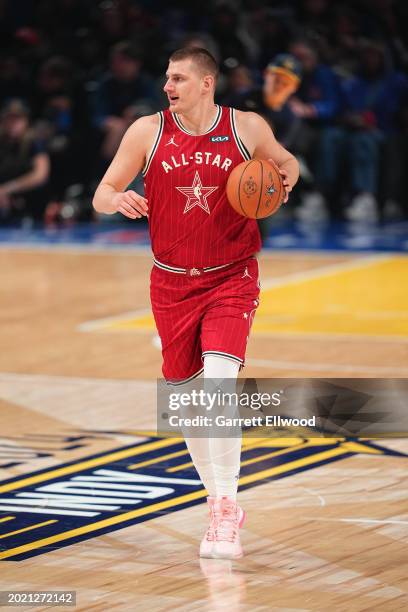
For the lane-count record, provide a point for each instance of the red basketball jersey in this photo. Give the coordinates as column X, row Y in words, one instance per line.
column 191, row 223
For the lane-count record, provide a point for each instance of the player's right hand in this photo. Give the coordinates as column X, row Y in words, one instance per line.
column 130, row 204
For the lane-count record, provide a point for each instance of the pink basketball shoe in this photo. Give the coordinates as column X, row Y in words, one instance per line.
column 209, row 537
column 229, row 517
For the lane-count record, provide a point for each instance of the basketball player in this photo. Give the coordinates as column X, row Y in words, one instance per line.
column 204, row 281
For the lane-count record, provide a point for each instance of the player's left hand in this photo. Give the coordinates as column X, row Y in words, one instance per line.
column 286, row 183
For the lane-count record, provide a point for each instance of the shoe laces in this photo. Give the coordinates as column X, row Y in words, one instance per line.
column 226, row 529
column 210, row 533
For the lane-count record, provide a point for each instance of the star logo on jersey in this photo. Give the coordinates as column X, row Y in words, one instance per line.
column 196, row 195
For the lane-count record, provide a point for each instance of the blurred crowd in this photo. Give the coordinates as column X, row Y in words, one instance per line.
column 329, row 76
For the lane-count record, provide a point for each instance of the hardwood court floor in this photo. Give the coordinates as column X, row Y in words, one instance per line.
column 78, row 364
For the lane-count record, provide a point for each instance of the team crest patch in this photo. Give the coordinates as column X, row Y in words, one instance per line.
column 219, row 138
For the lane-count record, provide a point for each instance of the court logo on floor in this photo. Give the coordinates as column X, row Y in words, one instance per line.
column 59, row 506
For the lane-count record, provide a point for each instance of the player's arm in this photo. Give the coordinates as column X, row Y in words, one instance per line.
column 260, row 141
column 129, row 160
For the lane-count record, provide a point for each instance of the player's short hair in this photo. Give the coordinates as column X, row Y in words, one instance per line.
column 200, row 56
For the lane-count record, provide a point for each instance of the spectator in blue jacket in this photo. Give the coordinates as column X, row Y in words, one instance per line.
column 318, row 97
column 316, row 103
column 371, row 102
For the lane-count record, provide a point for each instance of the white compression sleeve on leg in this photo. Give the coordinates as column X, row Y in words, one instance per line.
column 220, row 367
column 199, row 449
column 225, row 453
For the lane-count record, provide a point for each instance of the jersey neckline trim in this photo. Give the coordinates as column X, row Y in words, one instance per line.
column 216, row 121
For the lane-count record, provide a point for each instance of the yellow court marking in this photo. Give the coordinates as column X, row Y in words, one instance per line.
column 276, row 453
column 358, row 447
column 135, row 466
column 115, row 520
column 88, row 464
column 367, row 300
column 288, row 444
column 7, row 518
column 363, row 298
column 353, row 447
column 245, row 443
column 11, row 533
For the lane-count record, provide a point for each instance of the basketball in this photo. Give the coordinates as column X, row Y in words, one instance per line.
column 255, row 189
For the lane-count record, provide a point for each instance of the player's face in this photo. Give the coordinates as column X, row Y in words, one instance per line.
column 184, row 86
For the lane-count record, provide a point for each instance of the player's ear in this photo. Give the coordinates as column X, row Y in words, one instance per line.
column 208, row 82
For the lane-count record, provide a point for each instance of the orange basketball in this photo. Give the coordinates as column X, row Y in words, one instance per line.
column 255, row 189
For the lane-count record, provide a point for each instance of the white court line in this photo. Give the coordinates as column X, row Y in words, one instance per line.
column 325, row 367
column 126, row 316
column 315, row 493
column 12, row 377
column 359, row 520
column 79, row 249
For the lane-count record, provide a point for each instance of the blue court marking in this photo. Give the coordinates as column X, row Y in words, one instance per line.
column 86, row 501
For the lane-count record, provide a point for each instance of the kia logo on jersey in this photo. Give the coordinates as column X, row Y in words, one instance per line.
column 219, row 138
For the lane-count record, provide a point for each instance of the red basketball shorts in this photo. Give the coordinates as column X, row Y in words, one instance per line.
column 201, row 313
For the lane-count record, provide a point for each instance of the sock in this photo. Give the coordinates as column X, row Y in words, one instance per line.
column 225, row 453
